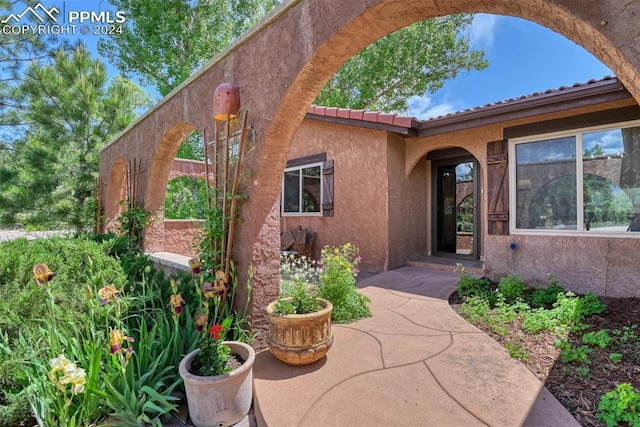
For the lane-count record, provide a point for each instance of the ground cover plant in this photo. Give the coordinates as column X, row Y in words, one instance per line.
column 585, row 349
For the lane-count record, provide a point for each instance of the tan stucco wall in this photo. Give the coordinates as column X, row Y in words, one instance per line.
column 181, row 235
column 360, row 183
column 408, row 206
column 604, row 266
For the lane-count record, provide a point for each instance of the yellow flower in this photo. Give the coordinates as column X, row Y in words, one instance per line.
column 116, row 338
column 176, row 303
column 201, row 321
column 74, row 376
column 195, row 266
column 42, row 274
column 71, row 374
column 108, row 293
column 60, row 363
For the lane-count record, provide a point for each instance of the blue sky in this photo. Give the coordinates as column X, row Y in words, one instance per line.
column 524, row 58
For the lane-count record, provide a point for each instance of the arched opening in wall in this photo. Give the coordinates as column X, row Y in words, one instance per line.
column 165, row 166
column 192, row 147
column 186, row 198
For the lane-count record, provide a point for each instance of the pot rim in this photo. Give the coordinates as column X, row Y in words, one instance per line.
column 327, row 308
column 185, row 364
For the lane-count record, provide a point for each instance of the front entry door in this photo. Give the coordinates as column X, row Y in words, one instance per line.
column 455, row 205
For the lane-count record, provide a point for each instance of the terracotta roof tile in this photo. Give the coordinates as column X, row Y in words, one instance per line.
column 370, row 116
column 331, row 112
column 525, row 98
column 386, row 118
column 344, row 113
column 356, row 114
column 404, row 121
column 409, row 121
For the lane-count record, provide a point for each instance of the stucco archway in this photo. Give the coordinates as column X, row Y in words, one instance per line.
column 282, row 64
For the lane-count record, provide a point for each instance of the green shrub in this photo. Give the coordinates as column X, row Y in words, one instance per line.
column 338, row 284
column 469, row 286
column 600, row 338
column 571, row 354
column 512, row 287
column 621, row 405
column 615, row 358
column 591, row 304
column 538, row 320
column 548, row 296
column 564, row 314
column 475, row 309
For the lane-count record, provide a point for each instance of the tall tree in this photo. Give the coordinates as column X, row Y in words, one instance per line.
column 72, row 111
column 409, row 62
column 18, row 50
column 167, row 40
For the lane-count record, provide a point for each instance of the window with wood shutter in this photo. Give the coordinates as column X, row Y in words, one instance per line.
column 307, row 187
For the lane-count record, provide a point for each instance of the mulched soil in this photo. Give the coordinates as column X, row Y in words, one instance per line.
column 579, row 387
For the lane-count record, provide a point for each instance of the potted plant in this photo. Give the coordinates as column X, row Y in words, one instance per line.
column 218, row 376
column 299, row 321
column 218, row 380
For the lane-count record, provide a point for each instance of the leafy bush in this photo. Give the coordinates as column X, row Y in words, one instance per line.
column 621, row 405
column 338, row 284
column 615, row 358
column 475, row 309
column 600, row 338
column 469, row 286
column 548, row 296
column 591, row 304
column 564, row 314
column 76, row 262
column 571, row 354
column 512, row 287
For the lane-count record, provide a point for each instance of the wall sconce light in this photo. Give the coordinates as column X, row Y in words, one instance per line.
column 226, row 101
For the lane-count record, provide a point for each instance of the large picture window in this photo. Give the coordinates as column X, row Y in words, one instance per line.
column 302, row 190
column 581, row 181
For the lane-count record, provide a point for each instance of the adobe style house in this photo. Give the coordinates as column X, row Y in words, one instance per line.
column 548, row 183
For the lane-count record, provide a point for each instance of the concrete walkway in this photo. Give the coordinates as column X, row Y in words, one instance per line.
column 414, row 363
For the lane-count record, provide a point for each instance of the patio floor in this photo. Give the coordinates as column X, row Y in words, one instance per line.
column 414, row 363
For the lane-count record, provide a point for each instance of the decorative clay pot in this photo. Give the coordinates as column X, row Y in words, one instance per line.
column 300, row 339
column 221, row 400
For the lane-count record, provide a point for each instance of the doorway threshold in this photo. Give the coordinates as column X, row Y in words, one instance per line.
column 446, row 264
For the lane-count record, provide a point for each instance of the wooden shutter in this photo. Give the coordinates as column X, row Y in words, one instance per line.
column 327, row 188
column 498, row 183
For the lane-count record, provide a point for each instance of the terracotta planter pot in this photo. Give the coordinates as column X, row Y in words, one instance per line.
column 300, row 339
column 222, row 400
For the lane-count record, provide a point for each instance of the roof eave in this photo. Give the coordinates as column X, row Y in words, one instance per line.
column 565, row 99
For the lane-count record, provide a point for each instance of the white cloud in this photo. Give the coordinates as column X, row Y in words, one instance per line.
column 422, row 107
column 483, row 30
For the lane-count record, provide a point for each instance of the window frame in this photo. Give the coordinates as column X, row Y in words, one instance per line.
column 300, row 168
column 577, row 133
